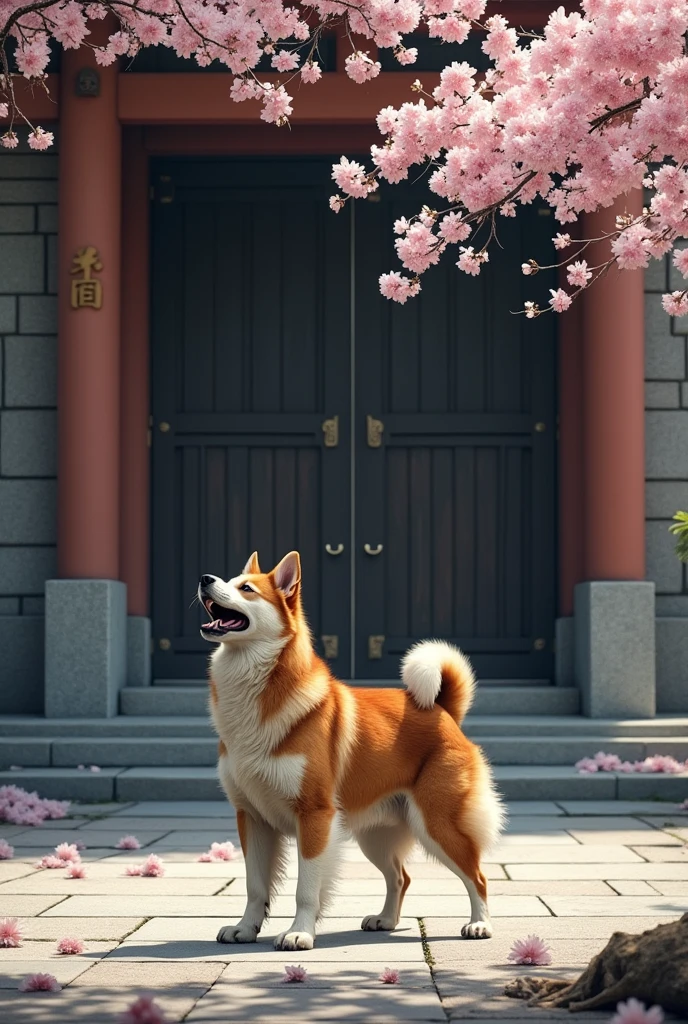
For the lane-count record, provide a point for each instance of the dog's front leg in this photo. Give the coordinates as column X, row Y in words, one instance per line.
column 263, row 850
column 314, row 839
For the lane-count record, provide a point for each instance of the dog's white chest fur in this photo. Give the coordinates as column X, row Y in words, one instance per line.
column 250, row 770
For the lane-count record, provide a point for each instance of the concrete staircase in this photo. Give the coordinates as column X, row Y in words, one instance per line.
column 161, row 747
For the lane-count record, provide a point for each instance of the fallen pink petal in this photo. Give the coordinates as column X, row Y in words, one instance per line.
column 531, row 951
column 51, row 861
column 134, row 869
column 68, row 852
column 76, row 871
column 18, row 807
column 389, row 976
column 39, row 983
column 128, row 843
column 634, row 1012
column 70, row 946
column 10, row 933
column 94, row 768
column 6, row 851
column 144, row 1010
column 295, row 974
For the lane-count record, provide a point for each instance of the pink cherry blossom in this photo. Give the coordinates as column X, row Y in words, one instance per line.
column 39, row 983
column 680, row 259
column 634, row 1012
column 40, row 139
column 337, row 203
column 128, row 843
column 285, row 60
column 51, row 862
column 143, row 1010
column 152, row 867
column 560, row 300
column 683, row 806
column 361, row 68
column 389, row 976
column 19, row 807
column 676, row 304
column 10, row 933
column 532, row 951
column 311, row 72
column 76, row 871
column 578, row 274
column 69, row 946
column 6, row 851
column 295, row 974
column 561, row 241
column 68, row 852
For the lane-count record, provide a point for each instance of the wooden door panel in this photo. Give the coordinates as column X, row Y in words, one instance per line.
column 461, row 491
column 251, row 339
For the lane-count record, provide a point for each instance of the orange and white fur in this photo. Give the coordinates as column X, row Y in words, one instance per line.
column 304, row 755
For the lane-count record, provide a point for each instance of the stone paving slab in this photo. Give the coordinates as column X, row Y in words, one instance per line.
column 152, row 976
column 644, row 870
column 219, row 826
column 66, row 970
column 177, row 809
column 441, row 930
column 14, row 869
column 578, row 854
column 55, row 882
column 663, row 853
column 239, row 1002
column 575, row 821
column 40, row 840
column 28, row 906
column 80, row 1005
column 338, row 940
column 631, row 887
column 618, row 807
column 30, row 854
column 672, row 889
column 629, row 837
column 620, row 906
column 47, row 951
column 86, row 928
column 521, row 808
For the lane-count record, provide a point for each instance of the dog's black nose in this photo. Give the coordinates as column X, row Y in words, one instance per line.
column 207, row 580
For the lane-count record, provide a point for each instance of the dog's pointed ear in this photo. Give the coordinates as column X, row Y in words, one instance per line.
column 287, row 574
column 252, row 565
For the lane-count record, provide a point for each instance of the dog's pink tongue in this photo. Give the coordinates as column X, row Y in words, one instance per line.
column 212, row 625
column 229, row 623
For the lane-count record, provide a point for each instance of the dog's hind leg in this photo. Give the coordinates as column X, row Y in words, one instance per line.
column 387, row 847
column 265, row 853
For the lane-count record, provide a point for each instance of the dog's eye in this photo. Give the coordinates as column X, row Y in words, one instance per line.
column 245, row 586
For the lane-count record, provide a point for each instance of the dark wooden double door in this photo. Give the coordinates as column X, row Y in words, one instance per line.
column 406, row 451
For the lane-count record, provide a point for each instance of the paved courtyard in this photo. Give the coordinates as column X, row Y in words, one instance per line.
column 570, row 872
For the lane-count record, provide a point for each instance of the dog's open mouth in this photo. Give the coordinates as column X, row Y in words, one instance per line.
column 224, row 620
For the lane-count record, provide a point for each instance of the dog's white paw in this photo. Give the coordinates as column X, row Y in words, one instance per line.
column 377, row 923
column 237, row 933
column 477, row 930
column 295, row 940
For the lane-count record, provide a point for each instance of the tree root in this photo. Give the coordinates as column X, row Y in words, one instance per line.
column 651, row 967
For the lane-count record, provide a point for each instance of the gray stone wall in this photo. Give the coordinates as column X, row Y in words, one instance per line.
column 28, row 417
column 666, row 488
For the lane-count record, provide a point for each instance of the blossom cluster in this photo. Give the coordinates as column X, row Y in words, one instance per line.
column 657, row 763
column 575, row 116
column 21, row 808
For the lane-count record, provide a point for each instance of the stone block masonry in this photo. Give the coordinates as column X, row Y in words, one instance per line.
column 666, row 474
column 28, row 426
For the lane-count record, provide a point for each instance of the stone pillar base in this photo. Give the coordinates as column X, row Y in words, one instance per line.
column 564, row 674
column 85, row 647
column 615, row 648
column 138, row 650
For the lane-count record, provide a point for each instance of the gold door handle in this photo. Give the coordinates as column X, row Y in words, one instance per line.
column 371, row 550
column 334, row 551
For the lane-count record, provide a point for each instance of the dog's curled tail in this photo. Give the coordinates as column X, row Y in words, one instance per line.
column 435, row 672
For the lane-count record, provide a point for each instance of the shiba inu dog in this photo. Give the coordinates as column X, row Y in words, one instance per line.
column 304, row 755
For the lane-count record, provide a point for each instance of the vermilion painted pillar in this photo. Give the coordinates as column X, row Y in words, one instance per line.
column 85, row 608
column 614, row 608
column 89, row 338
column 613, row 411
column 135, row 404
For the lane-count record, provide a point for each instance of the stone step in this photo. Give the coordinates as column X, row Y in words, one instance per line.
column 541, row 782
column 512, row 699
column 201, row 751
column 475, row 726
